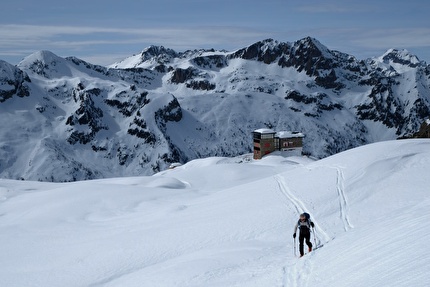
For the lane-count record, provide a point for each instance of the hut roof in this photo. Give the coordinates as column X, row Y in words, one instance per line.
column 288, row 134
column 265, row 131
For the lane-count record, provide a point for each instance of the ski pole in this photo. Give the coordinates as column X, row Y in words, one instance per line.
column 315, row 237
column 295, row 247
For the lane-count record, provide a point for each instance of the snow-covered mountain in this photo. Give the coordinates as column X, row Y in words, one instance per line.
column 186, row 227
column 65, row 119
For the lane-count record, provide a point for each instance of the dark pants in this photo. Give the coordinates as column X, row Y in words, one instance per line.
column 304, row 234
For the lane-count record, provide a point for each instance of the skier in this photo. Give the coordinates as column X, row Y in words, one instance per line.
column 304, row 224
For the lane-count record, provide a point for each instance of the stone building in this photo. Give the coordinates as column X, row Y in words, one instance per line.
column 267, row 141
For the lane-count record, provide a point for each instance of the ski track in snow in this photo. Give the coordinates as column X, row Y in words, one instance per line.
column 283, row 188
column 301, row 207
column 343, row 201
column 295, row 273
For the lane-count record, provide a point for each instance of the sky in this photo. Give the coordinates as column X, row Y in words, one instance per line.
column 105, row 32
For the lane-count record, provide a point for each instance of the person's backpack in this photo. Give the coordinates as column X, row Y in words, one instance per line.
column 307, row 216
column 308, row 220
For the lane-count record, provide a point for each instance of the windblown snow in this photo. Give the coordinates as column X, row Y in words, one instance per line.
column 227, row 222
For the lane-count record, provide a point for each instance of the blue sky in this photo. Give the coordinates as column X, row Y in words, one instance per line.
column 105, row 31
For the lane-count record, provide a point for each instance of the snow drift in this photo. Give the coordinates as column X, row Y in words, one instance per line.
column 227, row 222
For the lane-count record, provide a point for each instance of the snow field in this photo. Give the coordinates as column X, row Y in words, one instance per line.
column 227, row 222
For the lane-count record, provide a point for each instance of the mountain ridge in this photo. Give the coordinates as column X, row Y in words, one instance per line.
column 161, row 106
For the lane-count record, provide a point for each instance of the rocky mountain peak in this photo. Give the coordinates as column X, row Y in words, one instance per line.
column 150, row 57
column 402, row 57
column 158, row 52
column 266, row 51
column 13, row 81
column 312, row 46
column 45, row 64
column 43, row 56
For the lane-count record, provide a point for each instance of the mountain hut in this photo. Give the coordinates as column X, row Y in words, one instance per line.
column 267, row 141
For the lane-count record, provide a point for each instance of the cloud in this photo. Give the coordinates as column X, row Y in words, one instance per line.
column 24, row 35
column 107, row 45
column 21, row 40
column 383, row 38
column 326, row 6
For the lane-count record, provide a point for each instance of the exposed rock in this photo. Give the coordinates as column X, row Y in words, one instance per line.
column 201, row 85
column 211, row 61
column 424, row 131
column 181, row 75
column 87, row 114
column 13, row 81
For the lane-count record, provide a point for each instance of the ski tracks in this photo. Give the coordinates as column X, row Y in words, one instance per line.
column 343, row 201
column 298, row 205
column 296, row 273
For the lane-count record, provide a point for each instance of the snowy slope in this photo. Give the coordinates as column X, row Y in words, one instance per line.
column 227, row 222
